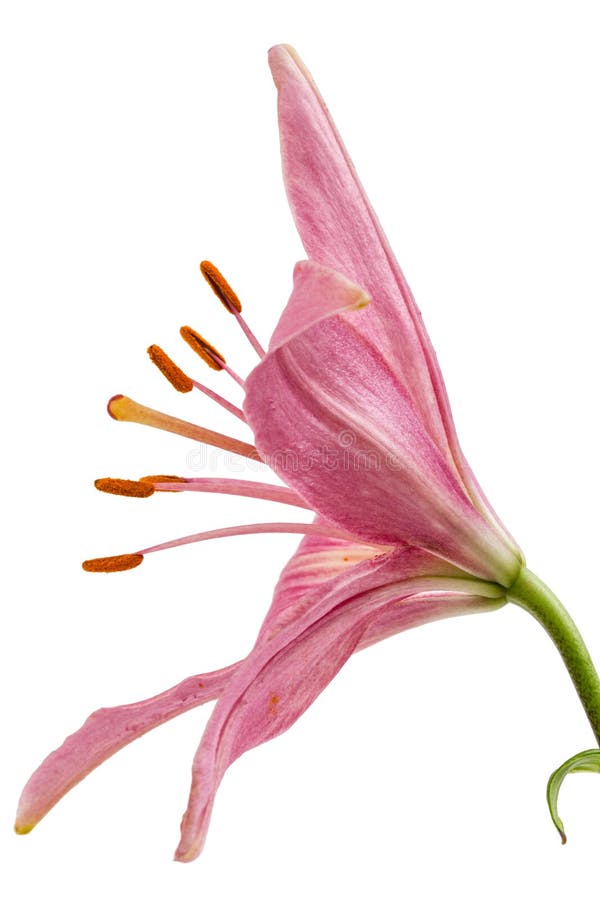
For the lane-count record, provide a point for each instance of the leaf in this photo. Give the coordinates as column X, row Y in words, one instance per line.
column 586, row 761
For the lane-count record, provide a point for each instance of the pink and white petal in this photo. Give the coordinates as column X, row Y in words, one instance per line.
column 331, row 418
column 339, row 228
column 284, row 675
column 102, row 734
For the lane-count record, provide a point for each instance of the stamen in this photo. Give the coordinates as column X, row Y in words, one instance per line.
column 124, row 487
column 229, row 299
column 183, row 383
column 234, row 486
column 221, row 287
column 131, row 560
column 208, row 353
column 257, row 528
column 113, row 563
column 126, row 410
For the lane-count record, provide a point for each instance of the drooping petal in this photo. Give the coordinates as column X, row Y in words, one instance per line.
column 318, row 559
column 284, row 674
column 102, row 734
column 339, row 228
column 331, row 418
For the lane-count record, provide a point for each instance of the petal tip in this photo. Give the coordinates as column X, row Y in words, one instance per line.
column 278, row 53
column 186, row 854
column 283, row 59
column 362, row 300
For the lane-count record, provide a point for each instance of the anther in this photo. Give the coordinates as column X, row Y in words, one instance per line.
column 230, row 301
column 113, row 563
column 123, row 487
column 221, row 287
column 205, row 351
column 180, row 381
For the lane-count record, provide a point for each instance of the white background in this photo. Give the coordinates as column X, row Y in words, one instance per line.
column 140, row 138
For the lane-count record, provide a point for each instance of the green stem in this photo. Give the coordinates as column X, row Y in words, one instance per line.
column 533, row 595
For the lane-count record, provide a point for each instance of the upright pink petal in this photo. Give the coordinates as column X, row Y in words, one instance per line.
column 340, row 229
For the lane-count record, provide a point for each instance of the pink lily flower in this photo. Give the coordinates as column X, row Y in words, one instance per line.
column 349, row 409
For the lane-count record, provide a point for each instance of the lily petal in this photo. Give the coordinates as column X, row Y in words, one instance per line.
column 319, row 292
column 102, row 734
column 318, row 560
column 283, row 675
column 339, row 228
column 331, row 418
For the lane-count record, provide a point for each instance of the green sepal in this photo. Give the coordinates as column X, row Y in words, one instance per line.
column 586, row 761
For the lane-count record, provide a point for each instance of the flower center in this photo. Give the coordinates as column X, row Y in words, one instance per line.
column 125, row 409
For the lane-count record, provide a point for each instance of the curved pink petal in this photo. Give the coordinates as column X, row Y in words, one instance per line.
column 331, row 418
column 339, row 229
column 284, row 674
column 108, row 730
column 422, row 609
column 318, row 559
column 102, row 734
column 320, row 291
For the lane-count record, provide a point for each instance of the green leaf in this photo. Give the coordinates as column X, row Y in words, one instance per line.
column 586, row 761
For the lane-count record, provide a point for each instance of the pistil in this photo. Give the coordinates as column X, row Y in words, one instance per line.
column 124, row 409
